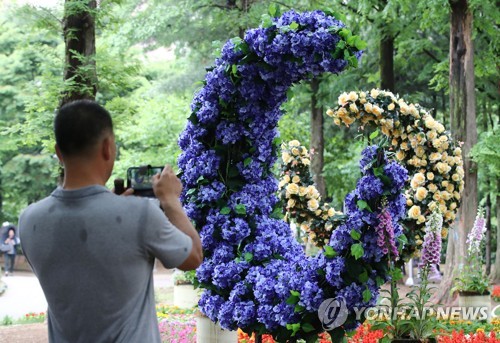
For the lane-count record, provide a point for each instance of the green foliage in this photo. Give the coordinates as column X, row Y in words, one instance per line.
column 486, row 152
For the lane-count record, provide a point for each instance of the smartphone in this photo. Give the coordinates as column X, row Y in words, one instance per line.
column 140, row 179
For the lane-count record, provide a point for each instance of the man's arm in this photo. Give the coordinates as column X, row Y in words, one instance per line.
column 167, row 188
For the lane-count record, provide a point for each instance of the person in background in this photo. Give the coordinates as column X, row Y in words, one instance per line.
column 94, row 251
column 10, row 241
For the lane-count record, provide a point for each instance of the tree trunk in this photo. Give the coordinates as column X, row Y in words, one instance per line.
column 386, row 61
column 79, row 35
column 495, row 270
column 488, row 232
column 317, row 140
column 463, row 128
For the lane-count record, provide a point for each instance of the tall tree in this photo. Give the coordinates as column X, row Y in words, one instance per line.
column 463, row 127
column 317, row 142
column 79, row 35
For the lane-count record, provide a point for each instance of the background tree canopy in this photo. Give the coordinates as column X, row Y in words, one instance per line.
column 150, row 56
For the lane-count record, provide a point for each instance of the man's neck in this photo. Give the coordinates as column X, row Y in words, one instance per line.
column 81, row 176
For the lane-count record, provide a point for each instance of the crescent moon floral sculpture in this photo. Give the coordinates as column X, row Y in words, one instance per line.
column 433, row 160
column 255, row 275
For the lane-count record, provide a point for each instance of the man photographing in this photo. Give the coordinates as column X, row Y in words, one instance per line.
column 93, row 251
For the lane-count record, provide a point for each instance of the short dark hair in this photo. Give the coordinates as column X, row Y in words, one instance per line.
column 79, row 125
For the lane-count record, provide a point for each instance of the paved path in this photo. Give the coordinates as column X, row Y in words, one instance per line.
column 24, row 295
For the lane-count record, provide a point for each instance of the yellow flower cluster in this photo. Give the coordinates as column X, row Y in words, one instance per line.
column 419, row 142
column 302, row 200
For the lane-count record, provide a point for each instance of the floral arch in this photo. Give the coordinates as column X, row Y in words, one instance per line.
column 255, row 275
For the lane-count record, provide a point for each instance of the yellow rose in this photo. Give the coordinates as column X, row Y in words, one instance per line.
column 318, row 212
column 443, row 168
column 331, row 212
column 294, row 143
column 445, row 195
column 450, row 188
column 313, row 204
column 286, row 157
column 302, row 191
column 420, row 151
column 328, row 226
column 295, row 151
column 431, row 135
column 430, row 122
column 336, row 121
column 458, row 160
column 400, row 155
column 420, row 193
column 435, row 156
column 296, row 179
column 420, row 219
column 419, row 241
column 312, row 192
column 460, row 172
column 292, row 188
column 440, row 128
column 368, row 107
column 456, row 195
column 445, row 146
column 432, row 188
column 374, row 93
column 457, row 152
column 304, row 227
column 453, row 206
column 306, row 161
column 290, row 203
column 353, row 108
column 444, row 232
column 391, row 106
column 436, row 143
column 394, row 142
column 443, row 138
column 449, row 215
column 348, row 120
column 413, row 110
column 353, row 96
column 404, row 146
column 417, row 180
column 430, row 176
column 409, row 202
column 414, row 212
column 432, row 205
column 329, row 112
column 362, row 95
column 343, row 99
column 437, row 196
column 455, row 177
column 377, row 110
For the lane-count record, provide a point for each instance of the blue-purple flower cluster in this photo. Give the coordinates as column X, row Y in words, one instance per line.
column 256, row 275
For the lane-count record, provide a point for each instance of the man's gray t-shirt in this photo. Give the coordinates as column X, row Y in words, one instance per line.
column 93, row 253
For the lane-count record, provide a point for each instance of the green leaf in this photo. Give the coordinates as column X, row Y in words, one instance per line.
column 357, row 251
column 234, row 69
column 247, row 161
column 363, row 205
column 344, row 33
column 299, row 308
column 248, row 256
column 379, row 281
column 225, row 210
column 296, row 293
column 374, row 134
column 329, row 252
column 240, row 209
column 397, row 274
column 292, row 300
column 191, row 191
column 273, row 9
column 307, row 327
column 367, row 295
column 402, row 239
column 267, row 21
column 294, row 25
column 359, row 43
column 294, row 328
column 355, row 234
column 363, row 277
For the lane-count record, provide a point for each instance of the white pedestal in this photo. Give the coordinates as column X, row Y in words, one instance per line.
column 409, row 267
column 209, row 332
column 185, row 296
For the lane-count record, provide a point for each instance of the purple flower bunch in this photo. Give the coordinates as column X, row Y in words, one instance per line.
column 256, row 275
column 476, row 235
column 431, row 248
column 385, row 234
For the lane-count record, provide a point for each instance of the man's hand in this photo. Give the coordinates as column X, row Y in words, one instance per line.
column 167, row 187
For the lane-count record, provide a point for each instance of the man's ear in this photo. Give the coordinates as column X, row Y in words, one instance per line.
column 107, row 148
column 59, row 154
